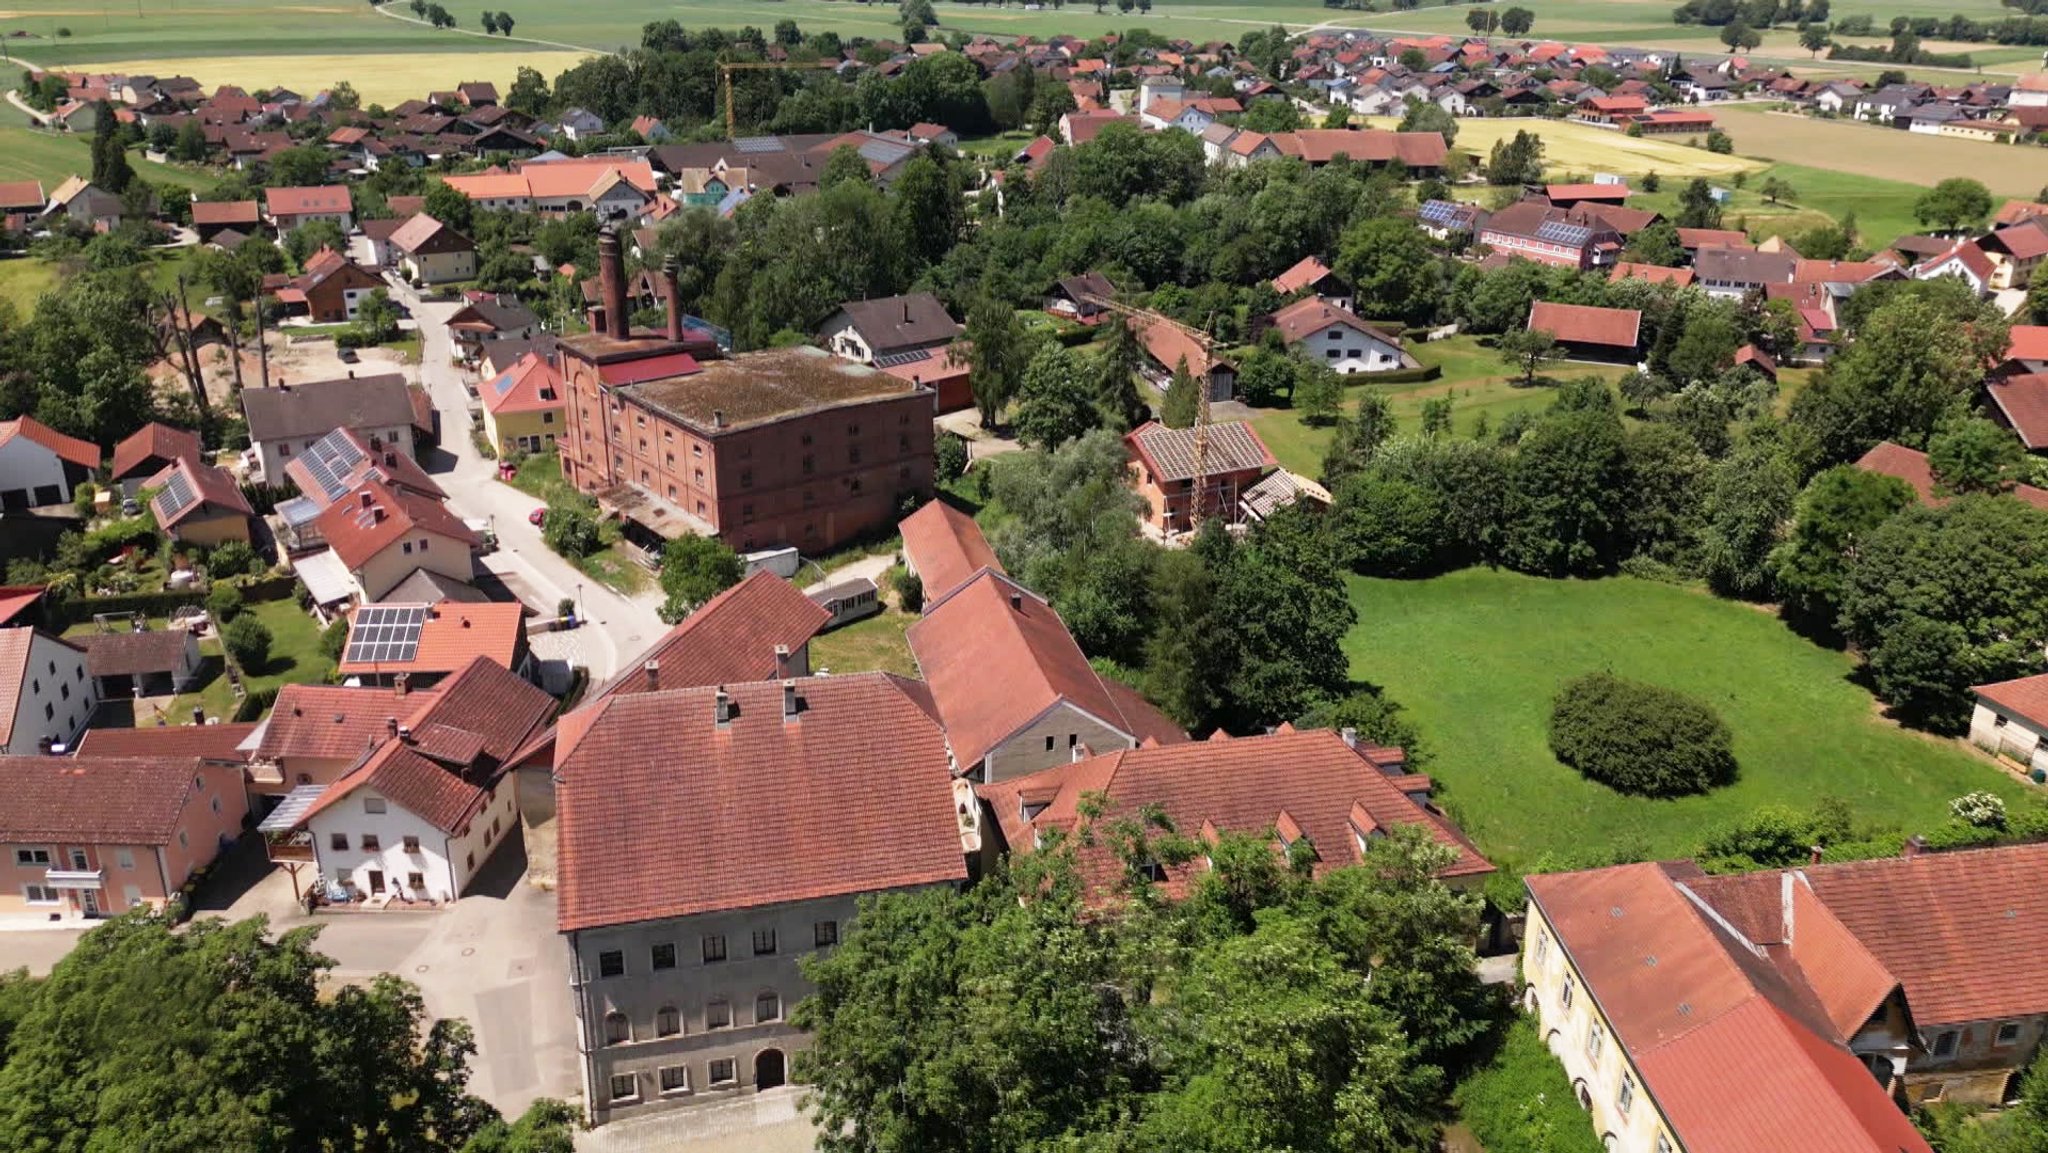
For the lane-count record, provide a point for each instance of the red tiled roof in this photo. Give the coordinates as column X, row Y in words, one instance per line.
column 1306, row 273
column 1739, row 1057
column 2024, row 401
column 333, row 198
column 1911, row 466
column 95, row 800
column 730, row 638
column 81, row 453
column 219, row 743
column 1366, row 145
column 1328, row 791
column 357, row 530
column 997, row 657
column 225, row 212
column 1310, row 315
column 945, row 548
column 456, row 751
column 326, row 722
column 1961, row 930
column 1713, row 238
column 1171, row 344
column 2027, row 342
column 663, row 812
column 16, row 599
column 2026, row 697
column 454, row 634
column 2024, row 241
column 383, row 463
column 211, row 487
column 1586, row 324
column 1654, row 273
column 153, row 442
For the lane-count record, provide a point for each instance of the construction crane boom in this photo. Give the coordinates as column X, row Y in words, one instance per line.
column 727, row 68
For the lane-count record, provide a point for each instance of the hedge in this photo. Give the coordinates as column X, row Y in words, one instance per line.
column 1521, row 1102
column 165, row 603
column 254, row 705
column 1405, row 375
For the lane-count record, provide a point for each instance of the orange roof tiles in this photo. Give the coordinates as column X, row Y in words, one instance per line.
column 945, row 548
column 332, row 198
column 1586, row 324
column 531, row 384
column 2023, row 400
column 84, row 454
column 1654, row 273
column 994, row 623
column 219, row 743
column 664, row 812
column 377, row 515
column 326, row 722
column 1311, row 782
column 2027, row 342
column 1306, row 273
column 453, row 634
column 212, row 488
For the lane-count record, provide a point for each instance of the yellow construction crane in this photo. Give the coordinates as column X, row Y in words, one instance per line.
column 1201, row 445
column 727, row 68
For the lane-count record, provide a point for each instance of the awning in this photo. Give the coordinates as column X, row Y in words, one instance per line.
column 298, row 511
column 285, row 817
column 326, row 577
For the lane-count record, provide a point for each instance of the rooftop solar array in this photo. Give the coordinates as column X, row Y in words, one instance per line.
column 177, row 495
column 1562, row 233
column 911, row 357
column 1443, row 212
column 330, row 460
column 381, row 634
column 757, row 144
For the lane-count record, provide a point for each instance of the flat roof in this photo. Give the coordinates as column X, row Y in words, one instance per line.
column 757, row 388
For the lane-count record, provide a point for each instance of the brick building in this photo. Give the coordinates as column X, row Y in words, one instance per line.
column 780, row 447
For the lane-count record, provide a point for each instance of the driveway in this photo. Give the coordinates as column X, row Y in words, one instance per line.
column 619, row 627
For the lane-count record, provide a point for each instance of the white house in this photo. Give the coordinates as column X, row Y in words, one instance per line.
column 46, row 698
column 1320, row 331
column 39, row 465
column 420, row 815
column 2011, row 720
column 291, row 418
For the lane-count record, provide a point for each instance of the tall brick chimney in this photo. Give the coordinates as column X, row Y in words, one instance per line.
column 672, row 288
column 611, row 284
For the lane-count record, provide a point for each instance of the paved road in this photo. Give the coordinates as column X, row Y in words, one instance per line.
column 620, row 627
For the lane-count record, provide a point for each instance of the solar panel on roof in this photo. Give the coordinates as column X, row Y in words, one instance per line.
column 381, row 634
column 177, row 495
column 911, row 357
column 1563, row 233
column 1441, row 211
column 330, row 460
column 754, row 145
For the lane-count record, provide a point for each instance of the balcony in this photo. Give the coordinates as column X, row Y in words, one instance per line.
column 73, row 879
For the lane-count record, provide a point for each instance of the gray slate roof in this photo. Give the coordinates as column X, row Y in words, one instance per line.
column 318, row 408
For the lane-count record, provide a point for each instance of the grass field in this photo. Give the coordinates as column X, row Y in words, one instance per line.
column 34, row 154
column 1473, row 378
column 876, row 644
column 1476, row 657
column 380, row 78
column 1869, row 151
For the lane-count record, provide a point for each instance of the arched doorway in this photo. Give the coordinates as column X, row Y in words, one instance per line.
column 768, row 1069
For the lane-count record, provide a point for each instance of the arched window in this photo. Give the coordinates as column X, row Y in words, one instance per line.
column 617, row 1030
column 767, row 1007
column 668, row 1022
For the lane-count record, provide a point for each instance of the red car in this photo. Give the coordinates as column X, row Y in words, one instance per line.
column 537, row 516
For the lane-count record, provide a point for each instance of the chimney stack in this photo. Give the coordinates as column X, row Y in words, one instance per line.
column 405, row 733
column 653, row 669
column 722, row 707
column 390, row 460
column 782, row 671
column 391, row 725
column 1914, row 845
column 790, row 704
column 1350, row 736
column 611, row 283
column 906, row 310
column 1016, row 602
column 1813, row 855
column 718, row 418
column 672, row 283
column 399, row 684
column 366, row 498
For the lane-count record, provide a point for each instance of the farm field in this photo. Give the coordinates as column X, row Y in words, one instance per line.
column 1473, row 377
column 379, row 78
column 1570, row 147
column 1476, row 656
column 1868, row 151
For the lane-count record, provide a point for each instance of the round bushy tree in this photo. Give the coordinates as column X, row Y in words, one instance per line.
column 248, row 642
column 1639, row 739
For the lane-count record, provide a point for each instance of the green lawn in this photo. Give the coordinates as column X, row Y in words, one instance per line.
column 34, row 154
column 871, row 645
column 294, row 657
column 1473, row 377
column 1476, row 657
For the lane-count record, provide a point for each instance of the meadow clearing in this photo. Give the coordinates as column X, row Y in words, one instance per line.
column 1871, row 151
column 1476, row 657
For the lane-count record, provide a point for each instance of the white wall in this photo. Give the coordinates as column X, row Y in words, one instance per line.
column 350, row 817
column 1354, row 351
column 57, row 697
column 2011, row 735
column 26, row 465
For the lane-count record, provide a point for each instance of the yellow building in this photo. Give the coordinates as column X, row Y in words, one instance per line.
column 199, row 504
column 1691, row 1019
column 523, row 406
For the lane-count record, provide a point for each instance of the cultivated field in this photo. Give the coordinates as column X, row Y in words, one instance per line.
column 1868, row 150
column 378, row 78
column 1477, row 655
column 1570, row 147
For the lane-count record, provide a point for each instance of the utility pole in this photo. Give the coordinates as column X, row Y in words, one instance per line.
column 262, row 349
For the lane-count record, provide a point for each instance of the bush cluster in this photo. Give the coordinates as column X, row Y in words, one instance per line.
column 1639, row 739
